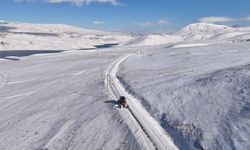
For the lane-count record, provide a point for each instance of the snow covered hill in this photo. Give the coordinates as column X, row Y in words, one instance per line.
column 213, row 32
column 195, row 32
column 200, row 96
column 26, row 36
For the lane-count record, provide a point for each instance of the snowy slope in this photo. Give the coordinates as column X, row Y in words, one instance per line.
column 23, row 36
column 56, row 101
column 26, row 36
column 208, row 32
column 203, row 31
column 195, row 32
column 199, row 95
column 155, row 39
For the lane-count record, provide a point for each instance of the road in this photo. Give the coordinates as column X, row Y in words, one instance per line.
column 149, row 133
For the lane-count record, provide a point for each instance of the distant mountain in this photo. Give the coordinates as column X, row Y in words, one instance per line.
column 26, row 36
column 18, row 36
column 213, row 32
column 203, row 31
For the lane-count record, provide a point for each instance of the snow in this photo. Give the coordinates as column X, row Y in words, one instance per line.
column 190, row 45
column 153, row 137
column 203, row 31
column 3, row 22
column 212, row 32
column 186, row 90
column 57, row 102
column 152, row 40
column 201, row 100
column 26, row 36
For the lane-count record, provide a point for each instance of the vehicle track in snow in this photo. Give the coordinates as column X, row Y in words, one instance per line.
column 147, row 131
column 3, row 78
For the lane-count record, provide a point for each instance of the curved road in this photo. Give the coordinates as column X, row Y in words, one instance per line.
column 147, row 131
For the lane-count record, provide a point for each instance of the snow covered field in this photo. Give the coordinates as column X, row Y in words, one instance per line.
column 58, row 90
column 56, row 101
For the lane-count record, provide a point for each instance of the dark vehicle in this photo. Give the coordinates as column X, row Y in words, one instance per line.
column 122, row 102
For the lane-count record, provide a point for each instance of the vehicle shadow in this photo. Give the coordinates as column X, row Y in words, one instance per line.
column 112, row 102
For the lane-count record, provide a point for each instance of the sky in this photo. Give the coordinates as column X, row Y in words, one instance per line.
column 127, row 15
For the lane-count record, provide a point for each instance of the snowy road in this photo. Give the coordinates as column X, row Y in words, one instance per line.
column 149, row 133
